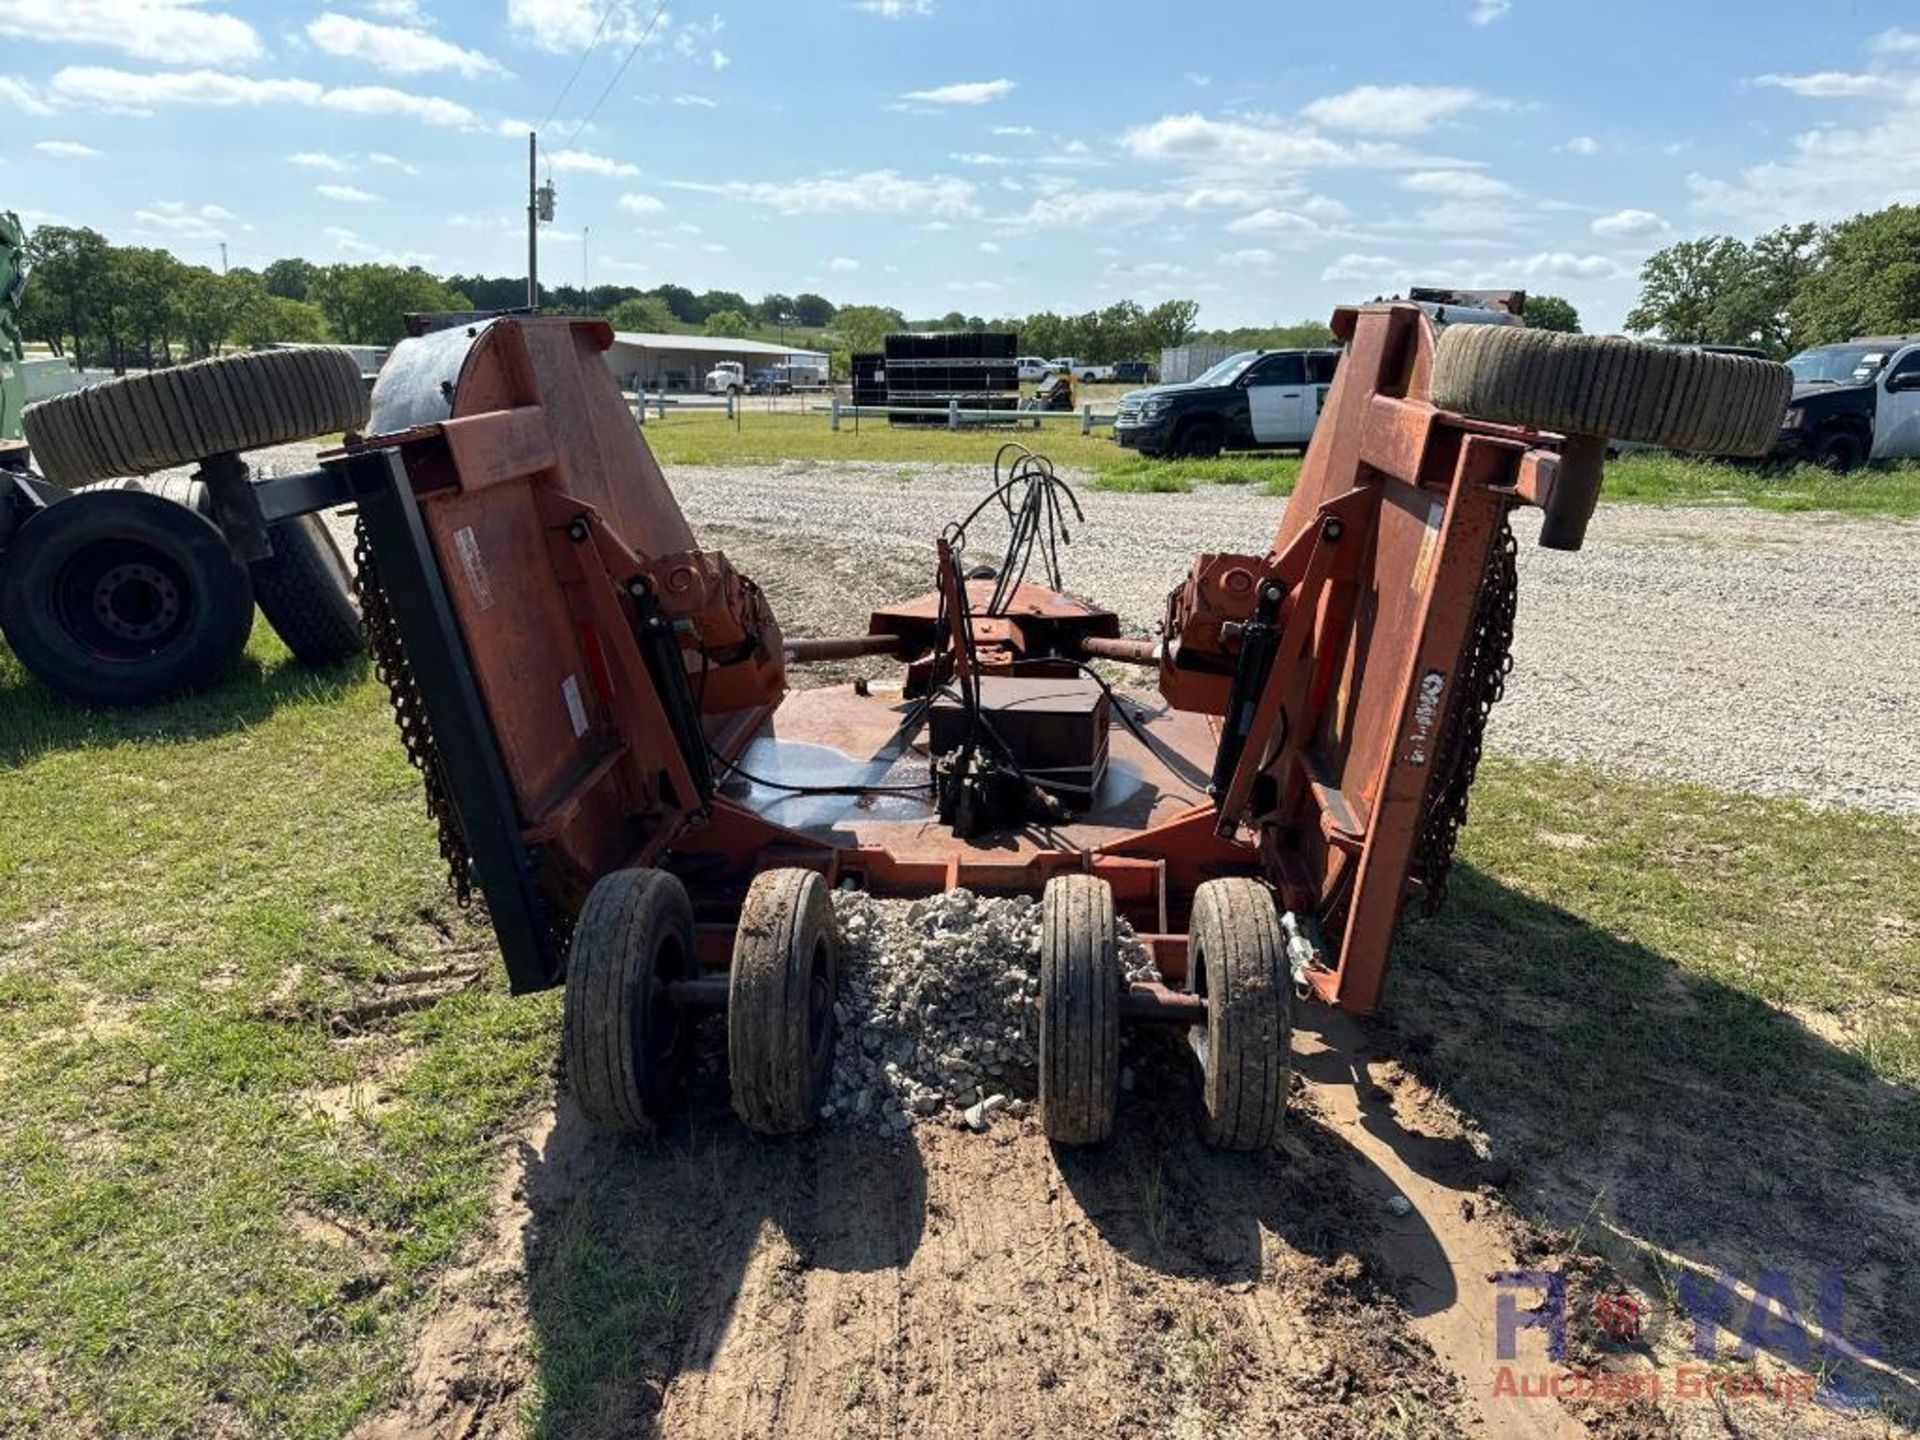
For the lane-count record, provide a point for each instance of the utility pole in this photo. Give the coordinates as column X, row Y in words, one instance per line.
column 533, row 222
column 223, row 257
column 586, row 259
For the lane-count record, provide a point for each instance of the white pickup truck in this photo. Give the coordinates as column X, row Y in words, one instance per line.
column 1079, row 369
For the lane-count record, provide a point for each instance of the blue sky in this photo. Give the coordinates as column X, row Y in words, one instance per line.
column 1269, row 160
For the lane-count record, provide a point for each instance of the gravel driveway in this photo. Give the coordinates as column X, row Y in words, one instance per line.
column 1778, row 654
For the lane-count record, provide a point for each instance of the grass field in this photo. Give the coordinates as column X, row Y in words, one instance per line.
column 707, row 438
column 229, row 1178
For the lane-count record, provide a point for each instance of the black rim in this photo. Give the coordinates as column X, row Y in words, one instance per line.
column 659, row 1026
column 819, row 1000
column 122, row 600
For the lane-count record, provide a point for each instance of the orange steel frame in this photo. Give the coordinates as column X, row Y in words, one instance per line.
column 546, row 541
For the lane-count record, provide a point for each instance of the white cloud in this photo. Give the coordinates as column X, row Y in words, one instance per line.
column 585, row 162
column 1582, row 145
column 1230, row 150
column 1485, row 12
column 316, row 160
column 1070, row 209
column 346, row 194
column 1468, row 217
column 972, row 92
column 719, row 59
column 126, row 91
column 875, row 192
column 894, row 9
column 1461, row 184
column 1833, row 170
column 1629, row 224
column 393, row 162
column 1829, row 84
column 67, row 149
column 1253, row 255
column 1282, row 224
column 989, row 247
column 979, row 157
column 1014, row 130
column 842, row 265
column 1197, row 80
column 638, row 204
column 169, row 31
column 565, row 24
column 1392, row 109
column 981, row 286
column 697, row 102
column 1361, row 268
column 186, row 222
column 1562, row 265
column 16, row 96
column 394, row 48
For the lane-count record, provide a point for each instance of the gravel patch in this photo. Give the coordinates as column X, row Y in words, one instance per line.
column 1775, row 654
column 939, row 1009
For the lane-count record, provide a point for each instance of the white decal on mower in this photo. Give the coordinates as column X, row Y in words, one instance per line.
column 1426, row 715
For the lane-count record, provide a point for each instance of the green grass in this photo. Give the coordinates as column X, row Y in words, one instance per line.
column 198, row 1236
column 707, row 438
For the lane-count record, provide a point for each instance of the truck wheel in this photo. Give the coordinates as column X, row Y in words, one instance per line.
column 303, row 588
column 1199, row 439
column 1662, row 395
column 1839, row 450
column 1079, row 1010
column 122, row 598
column 780, row 994
column 623, row 1035
column 1236, row 957
column 143, row 423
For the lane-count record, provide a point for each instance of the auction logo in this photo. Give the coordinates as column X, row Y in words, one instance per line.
column 1813, row 1343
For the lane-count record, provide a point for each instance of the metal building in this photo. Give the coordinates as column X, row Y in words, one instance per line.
column 679, row 363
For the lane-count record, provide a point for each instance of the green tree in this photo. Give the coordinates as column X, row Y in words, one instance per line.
column 368, row 304
column 289, row 279
column 1550, row 312
column 1866, row 282
column 812, row 310
column 280, row 319
column 69, row 284
column 148, row 294
column 647, row 314
column 774, row 308
column 714, row 300
column 1684, row 286
column 728, row 322
column 866, row 327
column 1170, row 323
column 213, row 309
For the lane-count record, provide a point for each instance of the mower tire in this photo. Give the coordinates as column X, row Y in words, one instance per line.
column 623, row 1035
column 780, row 996
column 142, row 423
column 1079, row 1010
column 1665, row 395
column 123, row 598
column 1237, row 958
column 304, row 587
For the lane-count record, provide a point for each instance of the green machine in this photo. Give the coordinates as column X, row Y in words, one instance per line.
column 23, row 380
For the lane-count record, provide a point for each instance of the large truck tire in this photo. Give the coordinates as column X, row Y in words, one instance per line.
column 124, row 598
column 165, row 418
column 1665, row 395
column 304, row 588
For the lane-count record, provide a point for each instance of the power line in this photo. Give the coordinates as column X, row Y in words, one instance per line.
column 645, row 34
column 606, row 14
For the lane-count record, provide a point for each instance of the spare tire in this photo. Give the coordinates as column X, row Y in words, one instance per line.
column 1664, row 395
column 304, row 587
column 123, row 598
column 143, row 423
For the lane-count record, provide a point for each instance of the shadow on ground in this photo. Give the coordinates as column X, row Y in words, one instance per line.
column 1683, row 1128
column 637, row 1250
column 34, row 720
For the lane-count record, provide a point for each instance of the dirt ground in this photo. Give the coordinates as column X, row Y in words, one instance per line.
column 709, row 1284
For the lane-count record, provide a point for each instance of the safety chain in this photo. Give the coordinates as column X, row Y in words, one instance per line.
column 1485, row 663
column 409, row 712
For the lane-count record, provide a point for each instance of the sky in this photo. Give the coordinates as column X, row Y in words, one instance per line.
column 1269, row 160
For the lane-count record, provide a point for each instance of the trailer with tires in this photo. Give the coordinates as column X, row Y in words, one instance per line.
column 119, row 586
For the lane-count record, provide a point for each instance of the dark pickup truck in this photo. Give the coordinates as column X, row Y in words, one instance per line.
column 1854, row 402
column 1256, row 400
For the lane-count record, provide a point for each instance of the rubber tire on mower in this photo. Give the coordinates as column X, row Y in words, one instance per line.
column 1663, row 395
column 623, row 1036
column 780, row 997
column 1237, row 958
column 90, row 646
column 304, row 588
column 142, row 423
column 1079, row 1010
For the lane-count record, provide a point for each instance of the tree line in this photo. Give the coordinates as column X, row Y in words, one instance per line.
column 1796, row 286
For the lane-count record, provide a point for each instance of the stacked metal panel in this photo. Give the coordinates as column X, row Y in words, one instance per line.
column 979, row 369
